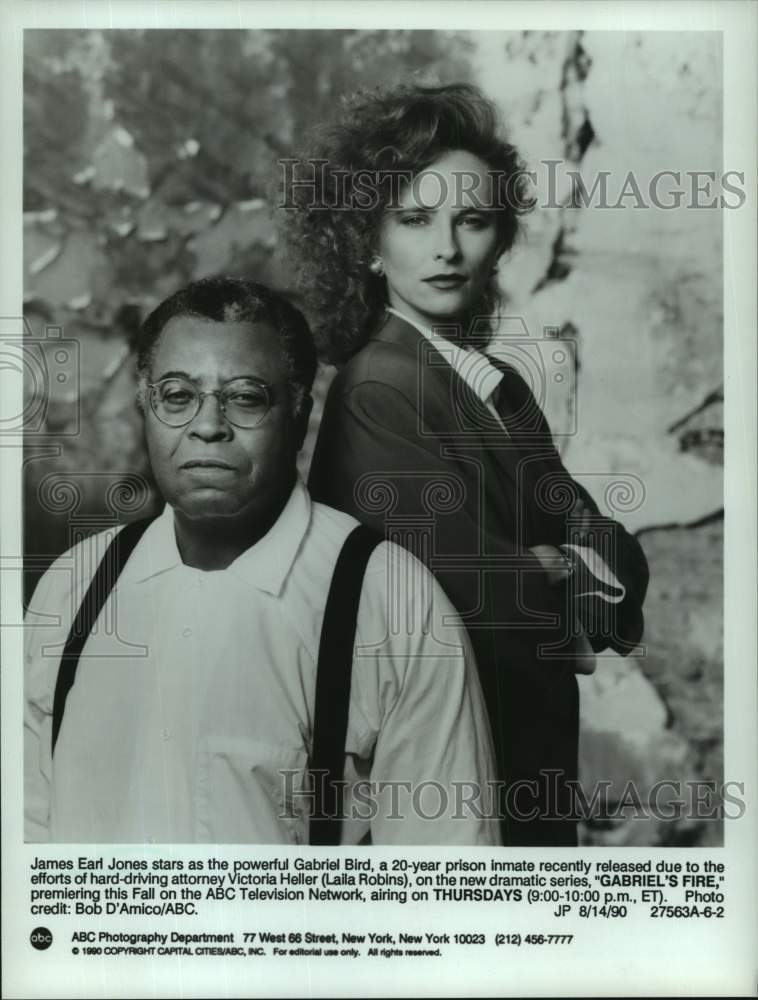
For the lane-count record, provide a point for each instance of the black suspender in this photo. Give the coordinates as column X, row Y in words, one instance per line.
column 335, row 665
column 102, row 584
column 333, row 676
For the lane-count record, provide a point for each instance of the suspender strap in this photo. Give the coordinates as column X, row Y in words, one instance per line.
column 102, row 584
column 335, row 665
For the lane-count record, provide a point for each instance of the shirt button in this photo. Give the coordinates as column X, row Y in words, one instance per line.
column 186, row 632
column 199, row 581
column 166, row 734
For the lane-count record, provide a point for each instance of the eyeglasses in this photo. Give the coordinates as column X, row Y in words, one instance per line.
column 244, row 402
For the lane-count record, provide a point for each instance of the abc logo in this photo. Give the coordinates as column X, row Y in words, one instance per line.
column 41, row 938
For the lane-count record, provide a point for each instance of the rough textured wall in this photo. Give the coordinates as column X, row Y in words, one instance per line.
column 149, row 160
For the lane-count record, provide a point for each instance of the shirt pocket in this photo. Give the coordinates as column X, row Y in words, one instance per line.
column 250, row 792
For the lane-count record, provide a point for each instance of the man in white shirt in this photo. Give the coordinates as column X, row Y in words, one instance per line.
column 191, row 715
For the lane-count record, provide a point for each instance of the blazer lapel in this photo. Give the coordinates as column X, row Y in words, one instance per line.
column 461, row 416
column 542, row 470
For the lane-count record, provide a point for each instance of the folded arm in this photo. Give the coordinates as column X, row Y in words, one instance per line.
column 610, row 587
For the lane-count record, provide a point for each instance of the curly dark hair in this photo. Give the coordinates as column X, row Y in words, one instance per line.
column 336, row 193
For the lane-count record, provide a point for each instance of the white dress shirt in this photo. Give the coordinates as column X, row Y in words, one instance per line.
column 190, row 719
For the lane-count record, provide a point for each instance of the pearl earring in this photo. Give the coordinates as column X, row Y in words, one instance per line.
column 376, row 266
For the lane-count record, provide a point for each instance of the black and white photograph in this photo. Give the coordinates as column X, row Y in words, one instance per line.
column 381, row 418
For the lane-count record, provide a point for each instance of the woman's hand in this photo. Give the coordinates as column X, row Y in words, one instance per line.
column 558, row 568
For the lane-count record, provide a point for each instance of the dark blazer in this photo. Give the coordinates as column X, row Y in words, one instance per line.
column 407, row 447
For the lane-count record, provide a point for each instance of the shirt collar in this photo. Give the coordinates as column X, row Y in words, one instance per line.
column 265, row 565
column 475, row 368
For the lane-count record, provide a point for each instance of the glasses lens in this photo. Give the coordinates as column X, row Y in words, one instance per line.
column 174, row 401
column 246, row 403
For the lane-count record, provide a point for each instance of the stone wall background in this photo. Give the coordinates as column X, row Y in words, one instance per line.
column 150, row 159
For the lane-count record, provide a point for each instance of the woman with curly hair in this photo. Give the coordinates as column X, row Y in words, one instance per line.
column 399, row 215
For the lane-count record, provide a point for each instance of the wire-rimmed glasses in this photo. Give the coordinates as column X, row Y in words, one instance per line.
column 244, row 402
